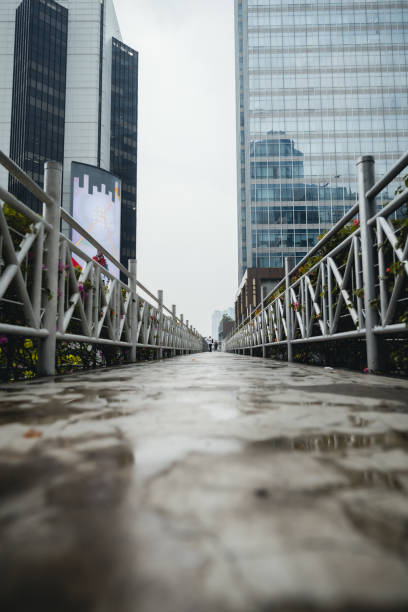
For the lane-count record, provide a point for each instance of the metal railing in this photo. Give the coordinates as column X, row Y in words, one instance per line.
column 352, row 284
column 62, row 302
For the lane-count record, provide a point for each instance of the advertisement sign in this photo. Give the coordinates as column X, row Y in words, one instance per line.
column 96, row 199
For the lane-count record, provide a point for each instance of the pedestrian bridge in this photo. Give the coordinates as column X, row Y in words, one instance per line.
column 349, row 294
column 211, row 481
column 206, row 482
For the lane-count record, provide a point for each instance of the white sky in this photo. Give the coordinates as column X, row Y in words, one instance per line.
column 187, row 236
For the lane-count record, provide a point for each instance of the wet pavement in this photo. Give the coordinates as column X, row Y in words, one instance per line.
column 211, row 482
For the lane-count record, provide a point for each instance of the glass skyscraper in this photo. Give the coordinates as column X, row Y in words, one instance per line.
column 38, row 109
column 69, row 93
column 319, row 83
column 123, row 160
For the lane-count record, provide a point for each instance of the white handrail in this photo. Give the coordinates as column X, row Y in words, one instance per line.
column 89, row 305
column 321, row 293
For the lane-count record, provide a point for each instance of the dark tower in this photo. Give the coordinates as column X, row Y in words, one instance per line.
column 39, row 83
column 123, row 162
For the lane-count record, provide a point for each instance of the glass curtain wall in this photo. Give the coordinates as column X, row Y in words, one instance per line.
column 123, row 161
column 39, row 87
column 318, row 84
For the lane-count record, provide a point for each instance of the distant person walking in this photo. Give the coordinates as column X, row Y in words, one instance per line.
column 210, row 344
column 215, row 345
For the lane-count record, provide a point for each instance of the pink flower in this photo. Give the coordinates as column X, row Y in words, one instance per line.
column 100, row 259
column 80, row 288
column 3, row 340
column 365, row 370
column 356, row 222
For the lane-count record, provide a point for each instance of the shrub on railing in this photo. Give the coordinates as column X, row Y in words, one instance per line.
column 393, row 350
column 18, row 354
column 325, row 250
column 19, row 357
column 393, row 266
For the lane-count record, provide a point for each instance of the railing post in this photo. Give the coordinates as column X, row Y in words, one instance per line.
column 188, row 336
column 288, row 312
column 52, row 214
column 174, row 311
column 263, row 295
column 182, row 333
column 159, row 331
column 366, row 179
column 251, row 333
column 135, row 307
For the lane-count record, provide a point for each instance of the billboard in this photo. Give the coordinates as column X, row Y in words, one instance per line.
column 96, row 199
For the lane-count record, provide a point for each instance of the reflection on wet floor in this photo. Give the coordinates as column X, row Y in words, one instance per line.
column 40, row 415
column 50, row 408
column 212, row 482
column 392, row 393
column 374, row 478
column 333, row 442
column 358, row 421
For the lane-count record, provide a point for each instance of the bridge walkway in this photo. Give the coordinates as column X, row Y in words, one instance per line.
column 211, row 482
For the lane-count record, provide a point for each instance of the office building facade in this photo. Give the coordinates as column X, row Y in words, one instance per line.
column 123, row 147
column 38, row 95
column 69, row 94
column 317, row 85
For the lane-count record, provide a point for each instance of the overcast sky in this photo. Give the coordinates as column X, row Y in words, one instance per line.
column 187, row 236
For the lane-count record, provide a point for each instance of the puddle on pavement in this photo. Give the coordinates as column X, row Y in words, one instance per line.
column 22, row 472
column 36, row 415
column 397, row 395
column 373, row 478
column 106, row 415
column 79, row 378
column 46, row 410
column 333, row 442
column 385, row 528
column 104, row 379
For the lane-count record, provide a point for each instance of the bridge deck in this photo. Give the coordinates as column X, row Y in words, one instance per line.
column 204, row 483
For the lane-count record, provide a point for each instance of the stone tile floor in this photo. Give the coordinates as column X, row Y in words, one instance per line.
column 205, row 483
